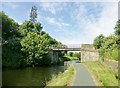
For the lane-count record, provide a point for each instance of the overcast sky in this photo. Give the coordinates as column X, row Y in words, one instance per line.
column 69, row 22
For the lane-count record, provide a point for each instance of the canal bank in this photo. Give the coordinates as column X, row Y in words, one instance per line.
column 63, row 79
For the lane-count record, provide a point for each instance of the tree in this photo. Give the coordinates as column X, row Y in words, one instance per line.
column 37, row 26
column 98, row 41
column 29, row 26
column 26, row 27
column 77, row 54
column 110, row 48
column 36, row 46
column 70, row 53
column 11, row 47
column 9, row 27
column 117, row 28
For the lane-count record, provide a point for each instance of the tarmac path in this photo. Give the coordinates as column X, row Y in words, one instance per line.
column 82, row 77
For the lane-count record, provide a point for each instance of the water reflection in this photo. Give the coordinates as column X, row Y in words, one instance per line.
column 36, row 76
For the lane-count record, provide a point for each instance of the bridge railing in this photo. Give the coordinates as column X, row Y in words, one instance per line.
column 67, row 46
column 59, row 47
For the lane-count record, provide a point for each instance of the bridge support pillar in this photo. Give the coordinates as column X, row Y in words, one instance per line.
column 53, row 56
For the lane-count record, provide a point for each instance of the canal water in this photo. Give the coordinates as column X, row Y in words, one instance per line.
column 31, row 76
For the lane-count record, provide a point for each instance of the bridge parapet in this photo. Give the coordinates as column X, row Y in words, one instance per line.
column 69, row 47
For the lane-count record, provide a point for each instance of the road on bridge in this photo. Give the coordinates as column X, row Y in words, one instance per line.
column 82, row 77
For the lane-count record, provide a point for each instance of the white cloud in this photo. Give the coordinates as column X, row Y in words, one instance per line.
column 13, row 5
column 86, row 26
column 53, row 21
column 105, row 24
column 52, row 7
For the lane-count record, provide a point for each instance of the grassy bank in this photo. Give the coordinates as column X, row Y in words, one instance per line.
column 104, row 74
column 62, row 79
column 72, row 57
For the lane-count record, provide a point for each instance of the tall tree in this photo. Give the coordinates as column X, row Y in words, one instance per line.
column 98, row 41
column 9, row 27
column 117, row 28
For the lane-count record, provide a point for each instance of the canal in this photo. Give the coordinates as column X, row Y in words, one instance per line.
column 31, row 76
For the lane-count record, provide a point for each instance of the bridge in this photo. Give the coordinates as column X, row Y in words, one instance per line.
column 66, row 49
column 69, row 47
column 88, row 53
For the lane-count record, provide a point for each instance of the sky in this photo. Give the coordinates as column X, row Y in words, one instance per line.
column 68, row 22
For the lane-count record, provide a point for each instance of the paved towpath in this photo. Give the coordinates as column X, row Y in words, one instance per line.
column 82, row 77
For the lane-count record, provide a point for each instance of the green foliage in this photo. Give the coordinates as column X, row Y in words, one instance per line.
column 26, row 27
column 110, row 48
column 11, row 54
column 35, row 46
column 9, row 27
column 70, row 53
column 98, row 41
column 117, row 28
column 77, row 54
column 25, row 44
column 37, row 26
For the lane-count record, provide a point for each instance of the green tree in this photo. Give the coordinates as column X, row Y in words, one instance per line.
column 9, row 27
column 98, row 41
column 26, row 27
column 11, row 53
column 70, row 53
column 35, row 46
column 117, row 28
column 77, row 54
column 37, row 26
column 110, row 48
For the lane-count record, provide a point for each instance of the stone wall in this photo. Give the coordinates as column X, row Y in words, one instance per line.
column 111, row 63
column 88, row 53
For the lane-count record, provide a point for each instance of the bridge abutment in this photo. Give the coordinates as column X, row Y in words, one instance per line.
column 88, row 53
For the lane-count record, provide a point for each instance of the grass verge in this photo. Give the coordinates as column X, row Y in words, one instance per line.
column 103, row 73
column 72, row 57
column 62, row 79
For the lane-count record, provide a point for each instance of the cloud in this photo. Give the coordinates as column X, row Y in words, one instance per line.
column 53, row 21
column 12, row 5
column 87, row 21
column 93, row 26
column 106, row 22
column 52, row 7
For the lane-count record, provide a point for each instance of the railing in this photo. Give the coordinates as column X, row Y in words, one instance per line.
column 67, row 46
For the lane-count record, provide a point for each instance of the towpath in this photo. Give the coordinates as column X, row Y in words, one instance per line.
column 82, row 77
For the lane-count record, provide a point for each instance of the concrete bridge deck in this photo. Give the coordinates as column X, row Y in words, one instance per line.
column 66, row 49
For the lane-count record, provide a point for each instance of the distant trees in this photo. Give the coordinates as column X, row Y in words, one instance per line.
column 77, row 54
column 109, row 46
column 71, row 54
